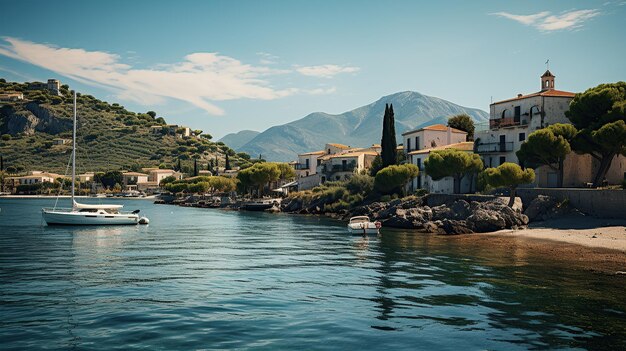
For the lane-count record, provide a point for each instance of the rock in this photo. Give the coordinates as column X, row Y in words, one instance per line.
column 441, row 212
column 544, row 207
column 460, row 209
column 273, row 209
column 484, row 220
column 291, row 205
column 451, row 226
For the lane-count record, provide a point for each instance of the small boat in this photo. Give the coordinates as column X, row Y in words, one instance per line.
column 363, row 225
column 87, row 214
column 260, row 204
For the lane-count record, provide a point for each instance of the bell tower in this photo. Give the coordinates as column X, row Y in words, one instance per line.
column 547, row 81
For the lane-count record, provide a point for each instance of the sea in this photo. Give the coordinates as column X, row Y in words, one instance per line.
column 210, row 279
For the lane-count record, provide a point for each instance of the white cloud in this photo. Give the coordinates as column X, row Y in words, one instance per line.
column 267, row 58
column 544, row 21
column 325, row 71
column 200, row 79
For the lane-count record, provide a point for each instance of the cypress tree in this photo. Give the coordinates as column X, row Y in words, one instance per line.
column 392, row 136
column 227, row 165
column 195, row 167
column 388, row 141
column 178, row 166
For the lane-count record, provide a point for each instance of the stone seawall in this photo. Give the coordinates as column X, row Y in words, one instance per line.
column 595, row 202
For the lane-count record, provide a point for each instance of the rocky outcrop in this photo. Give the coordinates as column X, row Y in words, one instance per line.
column 456, row 216
column 31, row 118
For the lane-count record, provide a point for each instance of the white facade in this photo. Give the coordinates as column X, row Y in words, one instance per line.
column 512, row 120
column 432, row 136
column 442, row 186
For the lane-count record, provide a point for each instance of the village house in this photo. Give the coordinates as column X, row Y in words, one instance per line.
column 85, row 177
column 61, row 141
column 155, row 176
column 11, row 96
column 131, row 179
column 512, row 120
column 431, row 136
column 442, row 186
column 171, row 129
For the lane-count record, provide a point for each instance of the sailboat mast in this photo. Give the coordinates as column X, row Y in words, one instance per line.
column 74, row 151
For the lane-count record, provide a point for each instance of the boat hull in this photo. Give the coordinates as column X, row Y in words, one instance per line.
column 70, row 218
column 360, row 230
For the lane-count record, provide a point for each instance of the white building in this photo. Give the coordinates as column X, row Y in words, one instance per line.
column 431, row 137
column 442, row 186
column 512, row 120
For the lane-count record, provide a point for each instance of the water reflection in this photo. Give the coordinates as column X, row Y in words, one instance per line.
column 197, row 278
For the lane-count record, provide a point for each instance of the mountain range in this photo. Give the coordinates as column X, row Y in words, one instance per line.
column 360, row 127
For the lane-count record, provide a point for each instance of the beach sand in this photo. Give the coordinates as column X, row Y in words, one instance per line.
column 584, row 242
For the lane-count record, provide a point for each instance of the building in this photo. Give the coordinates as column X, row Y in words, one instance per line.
column 53, row 86
column 512, row 120
column 33, row 177
column 431, row 137
column 61, row 141
column 171, row 129
column 342, row 165
column 131, row 179
column 11, row 96
column 442, row 186
column 85, row 177
column 155, row 176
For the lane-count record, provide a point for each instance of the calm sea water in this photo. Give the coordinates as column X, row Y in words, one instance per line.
column 210, row 279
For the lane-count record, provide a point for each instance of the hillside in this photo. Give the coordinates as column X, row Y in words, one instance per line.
column 359, row 128
column 109, row 137
column 239, row 139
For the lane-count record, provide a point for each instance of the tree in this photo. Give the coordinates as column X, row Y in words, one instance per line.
column 226, row 162
column 258, row 176
column 195, row 167
column 178, row 167
column 206, row 136
column 549, row 147
column 151, row 114
column 392, row 179
column 377, row 165
column 109, row 179
column 599, row 114
column 463, row 122
column 509, row 175
column 6, row 137
column 388, row 141
column 452, row 163
column 286, row 171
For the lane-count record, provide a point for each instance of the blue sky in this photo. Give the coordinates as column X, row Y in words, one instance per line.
column 223, row 66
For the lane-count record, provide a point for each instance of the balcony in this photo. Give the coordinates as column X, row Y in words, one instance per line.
column 300, row 166
column 506, row 122
column 487, row 148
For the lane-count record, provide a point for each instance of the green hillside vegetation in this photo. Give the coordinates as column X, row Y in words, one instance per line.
column 109, row 137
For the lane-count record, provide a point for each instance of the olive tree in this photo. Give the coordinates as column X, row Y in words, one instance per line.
column 463, row 122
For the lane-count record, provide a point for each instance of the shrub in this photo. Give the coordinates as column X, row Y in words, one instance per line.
column 360, row 184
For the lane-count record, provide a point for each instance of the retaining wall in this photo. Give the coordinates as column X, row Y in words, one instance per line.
column 595, row 202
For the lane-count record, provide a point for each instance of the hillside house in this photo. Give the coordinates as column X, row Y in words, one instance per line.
column 11, row 96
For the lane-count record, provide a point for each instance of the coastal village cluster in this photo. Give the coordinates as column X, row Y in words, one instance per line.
column 511, row 122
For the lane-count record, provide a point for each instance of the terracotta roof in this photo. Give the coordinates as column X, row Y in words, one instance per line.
column 464, row 146
column 354, row 154
column 134, row 174
column 551, row 92
column 321, row 152
column 163, row 171
column 436, row 127
column 340, row 146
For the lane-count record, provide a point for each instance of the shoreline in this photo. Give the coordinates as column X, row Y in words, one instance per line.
column 151, row 197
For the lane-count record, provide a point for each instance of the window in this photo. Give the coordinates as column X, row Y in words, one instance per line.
column 417, row 143
column 502, row 159
column 518, row 113
column 419, row 163
column 408, row 145
column 522, row 136
column 306, row 163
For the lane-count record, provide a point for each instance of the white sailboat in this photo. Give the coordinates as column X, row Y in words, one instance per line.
column 87, row 214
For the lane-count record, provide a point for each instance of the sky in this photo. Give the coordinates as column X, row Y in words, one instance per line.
column 225, row 66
